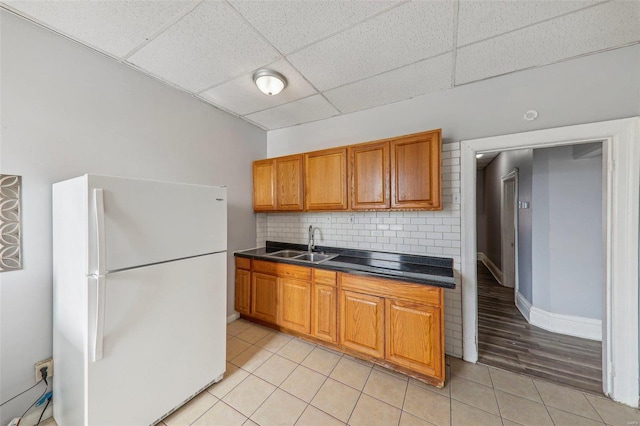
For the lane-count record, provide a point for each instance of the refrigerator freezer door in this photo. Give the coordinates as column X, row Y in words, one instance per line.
column 147, row 222
column 164, row 339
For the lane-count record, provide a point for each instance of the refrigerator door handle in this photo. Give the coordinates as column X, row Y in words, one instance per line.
column 99, row 323
column 98, row 198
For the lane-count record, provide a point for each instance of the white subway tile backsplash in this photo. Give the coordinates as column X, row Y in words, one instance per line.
column 434, row 233
column 453, row 146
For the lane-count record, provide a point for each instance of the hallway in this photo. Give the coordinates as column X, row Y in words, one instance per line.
column 506, row 340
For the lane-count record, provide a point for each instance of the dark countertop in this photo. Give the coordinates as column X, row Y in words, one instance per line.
column 435, row 271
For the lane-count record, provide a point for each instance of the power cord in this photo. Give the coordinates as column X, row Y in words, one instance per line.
column 43, row 410
column 25, row 391
column 43, row 372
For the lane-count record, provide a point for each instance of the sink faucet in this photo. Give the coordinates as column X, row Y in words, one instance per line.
column 311, row 240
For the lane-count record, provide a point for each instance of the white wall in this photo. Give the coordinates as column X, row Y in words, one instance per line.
column 67, row 110
column 500, row 166
column 568, row 269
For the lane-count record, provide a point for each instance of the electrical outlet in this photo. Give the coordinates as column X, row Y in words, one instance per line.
column 45, row 363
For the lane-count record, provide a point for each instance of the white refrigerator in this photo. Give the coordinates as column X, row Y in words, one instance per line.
column 139, row 295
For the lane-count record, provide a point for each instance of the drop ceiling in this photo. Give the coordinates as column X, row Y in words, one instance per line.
column 338, row 56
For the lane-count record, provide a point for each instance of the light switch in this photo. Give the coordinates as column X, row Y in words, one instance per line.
column 456, row 198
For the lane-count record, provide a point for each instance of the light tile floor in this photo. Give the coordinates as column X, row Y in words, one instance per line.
column 275, row 379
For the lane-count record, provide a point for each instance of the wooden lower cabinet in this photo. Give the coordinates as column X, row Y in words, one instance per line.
column 264, row 297
column 324, row 312
column 362, row 323
column 413, row 336
column 294, row 304
column 243, row 291
column 397, row 324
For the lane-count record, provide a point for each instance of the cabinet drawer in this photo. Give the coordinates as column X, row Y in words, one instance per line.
column 424, row 294
column 321, row 276
column 243, row 263
column 282, row 270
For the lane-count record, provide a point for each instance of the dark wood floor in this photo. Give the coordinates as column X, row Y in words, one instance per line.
column 506, row 340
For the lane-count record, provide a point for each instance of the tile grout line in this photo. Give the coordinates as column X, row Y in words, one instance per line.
column 360, row 395
column 594, row 407
column 404, row 400
column 542, row 399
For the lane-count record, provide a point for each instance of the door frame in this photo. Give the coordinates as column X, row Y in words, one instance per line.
column 512, row 176
column 621, row 156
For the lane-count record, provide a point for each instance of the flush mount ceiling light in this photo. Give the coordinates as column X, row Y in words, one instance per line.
column 479, row 155
column 269, row 82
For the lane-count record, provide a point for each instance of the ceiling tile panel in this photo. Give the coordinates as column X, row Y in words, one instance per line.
column 302, row 111
column 401, row 36
column 113, row 27
column 243, row 97
column 209, row 46
column 478, row 20
column 289, row 25
column 407, row 82
column 601, row 27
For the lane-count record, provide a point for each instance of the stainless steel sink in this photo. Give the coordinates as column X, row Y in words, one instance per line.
column 287, row 254
column 314, row 257
column 302, row 256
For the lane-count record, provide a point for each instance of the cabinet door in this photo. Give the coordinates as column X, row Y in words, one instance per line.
column 324, row 312
column 325, row 180
column 294, row 304
column 414, row 337
column 264, row 297
column 264, row 185
column 416, row 181
column 369, row 176
column 362, row 323
column 243, row 291
column 289, row 183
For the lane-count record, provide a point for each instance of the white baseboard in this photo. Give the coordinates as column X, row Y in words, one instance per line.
column 234, row 316
column 523, row 306
column 495, row 271
column 587, row 328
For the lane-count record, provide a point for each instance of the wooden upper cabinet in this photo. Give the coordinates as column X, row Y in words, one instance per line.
column 369, row 176
column 401, row 173
column 416, row 181
column 290, row 190
column 325, row 179
column 277, row 184
column 264, row 185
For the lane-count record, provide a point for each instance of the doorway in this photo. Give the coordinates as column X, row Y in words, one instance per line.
column 509, row 221
column 620, row 147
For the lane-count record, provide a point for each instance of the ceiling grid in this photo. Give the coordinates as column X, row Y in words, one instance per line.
column 338, row 56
